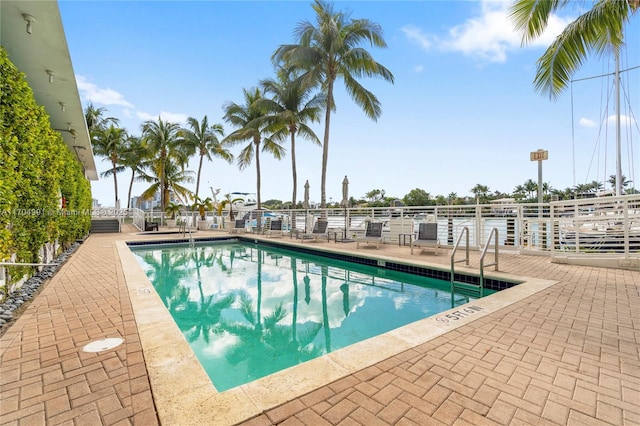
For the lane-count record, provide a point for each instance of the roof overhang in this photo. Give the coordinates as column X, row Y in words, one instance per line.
column 43, row 56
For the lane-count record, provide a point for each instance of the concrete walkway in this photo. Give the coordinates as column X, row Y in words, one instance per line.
column 569, row 354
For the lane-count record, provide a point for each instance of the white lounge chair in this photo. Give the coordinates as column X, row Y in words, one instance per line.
column 319, row 231
column 427, row 237
column 372, row 235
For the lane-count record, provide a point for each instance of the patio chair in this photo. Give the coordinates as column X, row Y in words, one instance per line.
column 150, row 226
column 239, row 225
column 372, row 235
column 319, row 231
column 275, row 228
column 427, row 237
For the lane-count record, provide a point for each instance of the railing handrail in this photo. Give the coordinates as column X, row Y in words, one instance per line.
column 465, row 230
column 494, row 233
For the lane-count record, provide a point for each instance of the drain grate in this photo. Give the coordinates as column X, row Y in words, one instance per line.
column 103, row 344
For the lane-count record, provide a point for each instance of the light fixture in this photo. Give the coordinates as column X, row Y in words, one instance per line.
column 51, row 74
column 69, row 129
column 63, row 106
column 30, row 20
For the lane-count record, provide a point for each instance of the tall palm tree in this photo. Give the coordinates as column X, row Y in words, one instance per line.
column 134, row 156
column 598, row 30
column 109, row 142
column 329, row 51
column 291, row 106
column 248, row 119
column 202, row 138
column 164, row 138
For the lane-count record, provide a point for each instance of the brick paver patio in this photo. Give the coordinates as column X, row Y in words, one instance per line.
column 569, row 354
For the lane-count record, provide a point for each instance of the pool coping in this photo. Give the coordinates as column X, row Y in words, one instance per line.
column 184, row 394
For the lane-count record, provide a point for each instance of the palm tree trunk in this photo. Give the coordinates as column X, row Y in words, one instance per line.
column 257, row 142
column 325, row 147
column 133, row 174
column 293, row 170
column 198, row 179
column 115, row 183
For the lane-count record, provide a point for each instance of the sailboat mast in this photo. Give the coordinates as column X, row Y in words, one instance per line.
column 618, row 137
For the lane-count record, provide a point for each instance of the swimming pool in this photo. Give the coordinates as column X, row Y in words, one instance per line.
column 250, row 310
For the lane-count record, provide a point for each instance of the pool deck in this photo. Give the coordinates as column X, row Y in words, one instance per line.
column 567, row 354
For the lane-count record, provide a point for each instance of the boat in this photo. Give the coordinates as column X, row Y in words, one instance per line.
column 606, row 221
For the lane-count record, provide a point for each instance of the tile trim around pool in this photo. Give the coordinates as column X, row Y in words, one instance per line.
column 184, row 394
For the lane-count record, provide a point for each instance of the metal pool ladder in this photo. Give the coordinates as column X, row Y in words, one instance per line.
column 471, row 289
column 184, row 228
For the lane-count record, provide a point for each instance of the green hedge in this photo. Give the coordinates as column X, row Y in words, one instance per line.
column 36, row 170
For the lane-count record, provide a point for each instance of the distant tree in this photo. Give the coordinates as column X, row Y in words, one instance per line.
column 625, row 181
column 480, row 192
column 530, row 187
column 441, row 200
column 416, row 197
column 519, row 193
column 595, row 186
column 375, row 195
column 273, row 204
column 452, row 198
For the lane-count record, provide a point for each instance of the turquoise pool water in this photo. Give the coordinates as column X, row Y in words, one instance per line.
column 248, row 310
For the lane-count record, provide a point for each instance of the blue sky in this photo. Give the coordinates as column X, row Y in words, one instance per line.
column 462, row 110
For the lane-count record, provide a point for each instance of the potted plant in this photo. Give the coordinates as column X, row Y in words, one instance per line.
column 202, row 206
column 222, row 204
column 172, row 210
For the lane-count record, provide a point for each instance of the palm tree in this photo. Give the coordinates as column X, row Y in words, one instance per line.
column 164, row 138
column 109, row 142
column 202, row 138
column 329, row 51
column 291, row 106
column 134, row 156
column 623, row 181
column 166, row 177
column 598, row 30
column 480, row 191
column 248, row 119
column 95, row 120
column 530, row 186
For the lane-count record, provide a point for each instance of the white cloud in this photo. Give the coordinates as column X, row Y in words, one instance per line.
column 416, row 35
column 488, row 36
column 625, row 120
column 93, row 93
column 172, row 117
column 418, row 68
column 585, row 122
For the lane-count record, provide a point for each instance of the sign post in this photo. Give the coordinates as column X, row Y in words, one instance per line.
column 539, row 156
